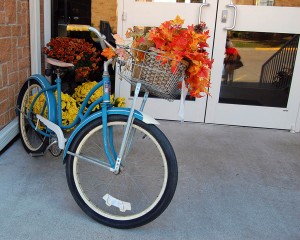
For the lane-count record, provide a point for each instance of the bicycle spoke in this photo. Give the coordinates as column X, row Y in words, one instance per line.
column 136, row 189
column 33, row 141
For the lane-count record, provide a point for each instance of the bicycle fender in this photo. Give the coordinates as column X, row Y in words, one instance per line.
column 114, row 111
column 49, row 95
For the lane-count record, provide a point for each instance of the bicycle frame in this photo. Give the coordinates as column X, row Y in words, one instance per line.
column 113, row 157
column 54, row 123
column 115, row 160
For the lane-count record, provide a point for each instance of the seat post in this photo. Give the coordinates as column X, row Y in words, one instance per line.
column 58, row 87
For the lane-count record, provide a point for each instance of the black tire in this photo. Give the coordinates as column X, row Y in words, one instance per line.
column 147, row 187
column 32, row 141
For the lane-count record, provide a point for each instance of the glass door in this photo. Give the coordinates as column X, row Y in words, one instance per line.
column 255, row 77
column 145, row 13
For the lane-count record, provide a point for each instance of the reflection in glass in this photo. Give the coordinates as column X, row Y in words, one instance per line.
column 258, row 68
column 281, row 3
column 171, row 1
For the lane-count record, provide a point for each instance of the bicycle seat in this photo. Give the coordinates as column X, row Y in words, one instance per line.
column 58, row 63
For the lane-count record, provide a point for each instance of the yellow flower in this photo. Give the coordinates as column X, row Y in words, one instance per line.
column 70, row 104
column 82, row 91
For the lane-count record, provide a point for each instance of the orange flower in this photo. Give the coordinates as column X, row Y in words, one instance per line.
column 108, row 53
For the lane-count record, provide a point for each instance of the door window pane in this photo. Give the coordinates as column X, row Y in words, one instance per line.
column 279, row 3
column 258, row 68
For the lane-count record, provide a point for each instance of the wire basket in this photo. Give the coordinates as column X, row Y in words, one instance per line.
column 153, row 70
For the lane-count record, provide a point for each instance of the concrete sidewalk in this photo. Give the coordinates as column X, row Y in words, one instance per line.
column 234, row 183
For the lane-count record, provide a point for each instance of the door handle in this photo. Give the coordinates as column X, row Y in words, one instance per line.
column 204, row 4
column 231, row 5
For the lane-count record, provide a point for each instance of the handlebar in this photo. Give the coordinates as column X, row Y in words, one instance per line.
column 86, row 28
column 75, row 27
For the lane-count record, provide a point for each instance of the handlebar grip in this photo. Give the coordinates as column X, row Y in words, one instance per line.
column 77, row 27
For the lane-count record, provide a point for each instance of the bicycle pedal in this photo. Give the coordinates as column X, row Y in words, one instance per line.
column 54, row 149
column 36, row 154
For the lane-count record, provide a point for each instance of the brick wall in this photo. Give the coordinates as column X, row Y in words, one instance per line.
column 104, row 10
column 288, row 3
column 14, row 54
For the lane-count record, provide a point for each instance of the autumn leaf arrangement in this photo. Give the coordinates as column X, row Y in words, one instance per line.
column 173, row 41
column 81, row 53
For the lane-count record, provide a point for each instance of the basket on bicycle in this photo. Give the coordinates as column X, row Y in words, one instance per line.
column 153, row 71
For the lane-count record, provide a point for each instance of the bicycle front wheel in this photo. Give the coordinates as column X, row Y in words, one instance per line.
column 145, row 185
column 33, row 141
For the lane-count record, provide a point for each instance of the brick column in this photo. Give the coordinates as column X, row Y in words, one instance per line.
column 104, row 10
column 14, row 54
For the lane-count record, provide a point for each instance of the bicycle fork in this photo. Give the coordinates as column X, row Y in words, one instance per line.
column 128, row 127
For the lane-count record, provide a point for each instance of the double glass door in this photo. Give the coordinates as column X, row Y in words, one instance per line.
column 256, row 70
column 262, row 90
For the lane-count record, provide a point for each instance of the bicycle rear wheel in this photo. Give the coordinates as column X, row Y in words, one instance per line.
column 33, row 141
column 145, row 185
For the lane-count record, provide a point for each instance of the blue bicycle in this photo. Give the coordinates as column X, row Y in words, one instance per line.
column 121, row 169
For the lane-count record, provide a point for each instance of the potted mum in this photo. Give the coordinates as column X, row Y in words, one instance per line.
column 72, row 103
column 82, row 54
column 172, row 41
column 87, row 61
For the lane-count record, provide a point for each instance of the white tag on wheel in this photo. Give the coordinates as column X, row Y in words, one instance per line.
column 112, row 201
